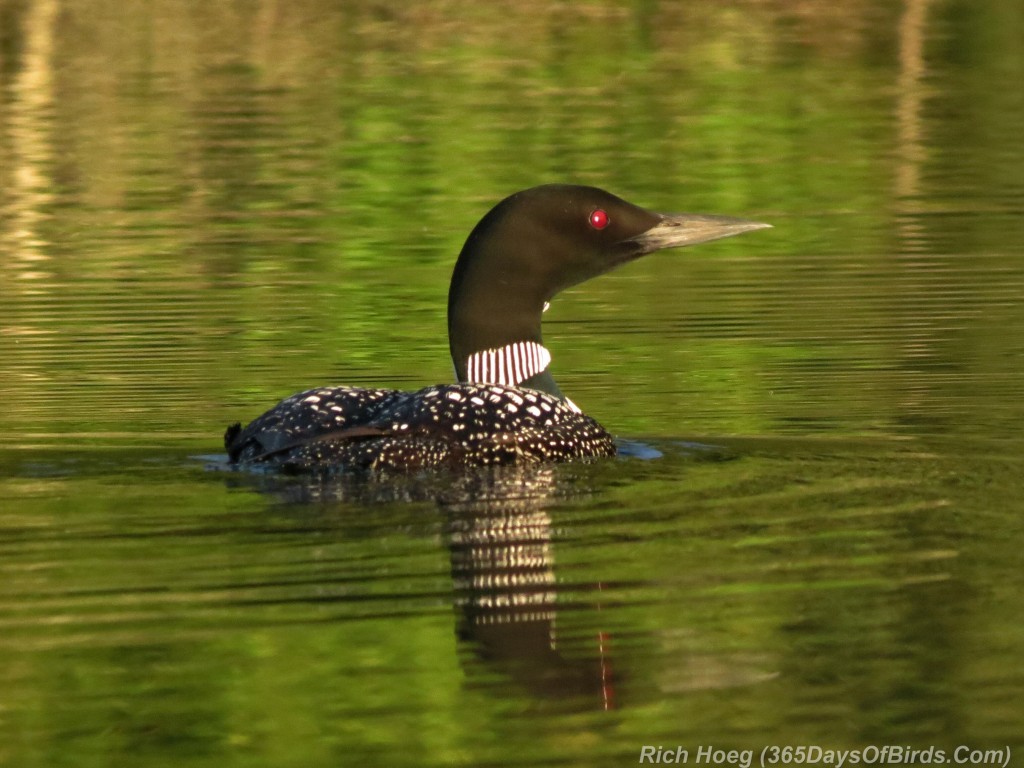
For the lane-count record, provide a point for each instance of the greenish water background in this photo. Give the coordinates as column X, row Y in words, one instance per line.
column 207, row 206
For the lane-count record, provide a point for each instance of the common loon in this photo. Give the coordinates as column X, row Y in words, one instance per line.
column 506, row 408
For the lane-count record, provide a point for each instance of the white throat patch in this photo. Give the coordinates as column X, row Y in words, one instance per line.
column 509, row 365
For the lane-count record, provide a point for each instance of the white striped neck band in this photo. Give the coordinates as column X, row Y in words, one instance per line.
column 510, row 365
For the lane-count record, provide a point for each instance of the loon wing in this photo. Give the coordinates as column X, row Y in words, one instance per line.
column 327, row 413
column 335, row 435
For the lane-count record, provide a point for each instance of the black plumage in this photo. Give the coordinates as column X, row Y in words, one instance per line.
column 444, row 425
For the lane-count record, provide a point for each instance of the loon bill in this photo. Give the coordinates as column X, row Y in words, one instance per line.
column 506, row 407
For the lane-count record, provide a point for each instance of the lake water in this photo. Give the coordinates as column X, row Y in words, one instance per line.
column 814, row 535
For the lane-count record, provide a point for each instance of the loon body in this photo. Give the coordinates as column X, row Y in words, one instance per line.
column 506, row 407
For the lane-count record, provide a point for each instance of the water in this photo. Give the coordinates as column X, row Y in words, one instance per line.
column 813, row 537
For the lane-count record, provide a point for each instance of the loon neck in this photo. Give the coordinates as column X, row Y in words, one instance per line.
column 545, row 382
column 517, row 364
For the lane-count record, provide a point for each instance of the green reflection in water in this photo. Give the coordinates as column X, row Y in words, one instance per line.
column 206, row 207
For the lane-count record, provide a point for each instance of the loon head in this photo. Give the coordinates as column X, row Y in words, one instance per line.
column 535, row 244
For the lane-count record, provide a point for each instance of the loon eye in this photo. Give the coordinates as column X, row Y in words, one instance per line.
column 598, row 219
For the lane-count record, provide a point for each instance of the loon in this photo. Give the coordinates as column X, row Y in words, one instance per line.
column 506, row 407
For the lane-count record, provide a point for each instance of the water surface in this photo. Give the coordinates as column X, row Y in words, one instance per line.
column 814, row 537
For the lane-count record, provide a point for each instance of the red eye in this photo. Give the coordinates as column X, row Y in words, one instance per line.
column 599, row 219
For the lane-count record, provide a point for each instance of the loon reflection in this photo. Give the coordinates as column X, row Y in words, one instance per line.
column 499, row 535
column 507, row 601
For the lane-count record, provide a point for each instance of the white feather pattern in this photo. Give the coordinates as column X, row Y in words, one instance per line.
column 509, row 365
